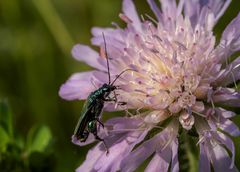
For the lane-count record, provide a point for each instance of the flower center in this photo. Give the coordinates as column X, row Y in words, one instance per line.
column 171, row 69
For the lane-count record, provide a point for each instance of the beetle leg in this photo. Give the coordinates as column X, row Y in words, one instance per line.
column 122, row 103
column 98, row 120
column 115, row 100
column 94, row 131
column 102, row 140
column 109, row 99
column 115, row 96
column 118, row 87
column 84, row 136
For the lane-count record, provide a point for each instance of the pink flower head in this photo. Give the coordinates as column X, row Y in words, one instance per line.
column 180, row 77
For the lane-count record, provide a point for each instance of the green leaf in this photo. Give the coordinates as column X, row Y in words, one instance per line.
column 38, row 139
column 6, row 117
column 4, row 139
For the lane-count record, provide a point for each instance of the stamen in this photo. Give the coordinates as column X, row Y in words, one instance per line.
column 234, row 81
column 152, row 19
column 125, row 18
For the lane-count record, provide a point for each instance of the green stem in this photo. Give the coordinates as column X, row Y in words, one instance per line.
column 55, row 24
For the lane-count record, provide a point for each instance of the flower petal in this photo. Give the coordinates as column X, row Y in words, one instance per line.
column 219, row 154
column 229, row 127
column 229, row 144
column 157, row 143
column 192, row 10
column 202, row 11
column 155, row 9
column 169, row 8
column 175, row 163
column 133, row 160
column 231, row 74
column 227, row 96
column 120, row 144
column 225, row 113
column 117, row 34
column 86, row 54
column 130, row 11
column 230, row 40
column 217, row 7
column 118, row 151
column 78, row 86
column 92, row 157
column 119, row 123
column 220, row 120
column 204, row 163
column 160, row 161
column 111, row 43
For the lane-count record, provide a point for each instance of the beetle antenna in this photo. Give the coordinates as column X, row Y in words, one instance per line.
column 105, row 48
column 120, row 75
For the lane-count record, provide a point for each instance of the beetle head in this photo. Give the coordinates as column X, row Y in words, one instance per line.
column 108, row 88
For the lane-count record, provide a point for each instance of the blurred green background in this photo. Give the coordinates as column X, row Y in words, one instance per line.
column 36, row 37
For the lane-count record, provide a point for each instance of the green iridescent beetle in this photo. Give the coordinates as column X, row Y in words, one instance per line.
column 92, row 109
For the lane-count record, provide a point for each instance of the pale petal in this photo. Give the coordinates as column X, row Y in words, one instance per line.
column 78, row 86
column 204, row 163
column 206, row 18
column 160, row 161
column 229, row 127
column 119, row 123
column 88, row 55
column 221, row 120
column 175, row 162
column 117, row 34
column 225, row 140
column 227, row 96
column 98, row 31
column 131, row 12
column 220, row 160
column 198, row 106
column 120, row 145
column 180, row 7
column 230, row 74
column 225, row 113
column 230, row 40
column 192, row 10
column 111, row 42
column 155, row 9
column 140, row 154
column 118, row 151
column 169, row 8
column 200, row 11
column 92, row 157
column 217, row 7
column 221, row 10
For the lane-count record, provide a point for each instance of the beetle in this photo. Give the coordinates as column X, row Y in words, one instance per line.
column 92, row 108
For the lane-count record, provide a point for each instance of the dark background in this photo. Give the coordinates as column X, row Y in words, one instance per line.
column 36, row 37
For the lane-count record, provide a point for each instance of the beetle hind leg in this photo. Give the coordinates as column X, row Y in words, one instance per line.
column 98, row 120
column 93, row 129
column 102, row 140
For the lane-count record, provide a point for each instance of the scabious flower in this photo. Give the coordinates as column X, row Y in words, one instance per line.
column 181, row 77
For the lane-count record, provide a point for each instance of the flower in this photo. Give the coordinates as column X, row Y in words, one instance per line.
column 181, row 78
